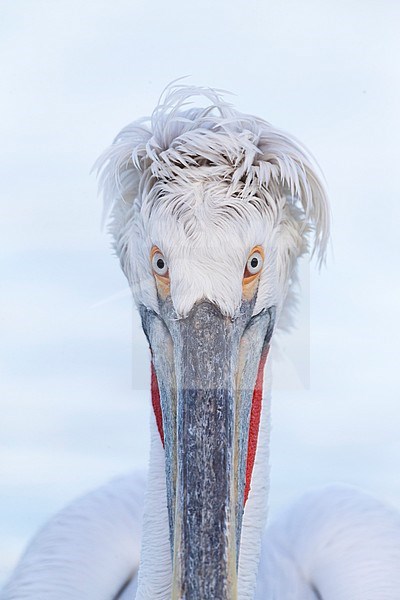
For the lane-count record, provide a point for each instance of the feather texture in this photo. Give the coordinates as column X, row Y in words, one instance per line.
column 89, row 550
column 187, row 169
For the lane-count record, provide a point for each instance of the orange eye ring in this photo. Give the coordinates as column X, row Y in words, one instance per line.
column 159, row 264
column 254, row 265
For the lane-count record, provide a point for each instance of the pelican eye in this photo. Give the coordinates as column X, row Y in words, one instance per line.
column 254, row 263
column 159, row 264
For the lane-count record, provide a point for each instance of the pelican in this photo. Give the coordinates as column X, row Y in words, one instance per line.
column 210, row 210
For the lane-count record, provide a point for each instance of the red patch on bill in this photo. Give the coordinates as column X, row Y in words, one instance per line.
column 254, row 427
column 155, row 400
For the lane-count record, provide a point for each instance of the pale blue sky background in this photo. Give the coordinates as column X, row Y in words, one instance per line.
column 72, row 74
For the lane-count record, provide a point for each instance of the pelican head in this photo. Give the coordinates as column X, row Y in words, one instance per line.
column 210, row 210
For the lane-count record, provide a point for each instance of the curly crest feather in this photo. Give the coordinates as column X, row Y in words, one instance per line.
column 158, row 163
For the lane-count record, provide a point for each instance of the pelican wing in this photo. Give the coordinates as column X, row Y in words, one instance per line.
column 88, row 551
column 337, row 543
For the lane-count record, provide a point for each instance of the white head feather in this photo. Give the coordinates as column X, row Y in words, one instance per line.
column 206, row 185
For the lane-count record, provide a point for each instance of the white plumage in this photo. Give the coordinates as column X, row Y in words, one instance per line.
column 88, row 550
column 336, row 540
column 206, row 185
